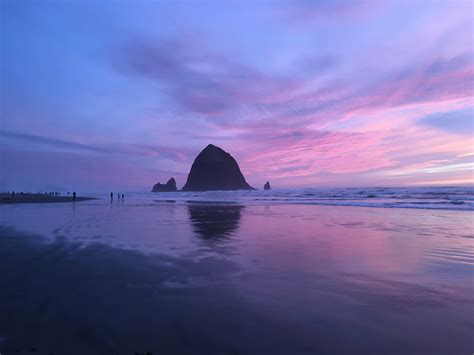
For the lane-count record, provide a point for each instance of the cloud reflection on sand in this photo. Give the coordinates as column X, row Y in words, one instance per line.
column 205, row 278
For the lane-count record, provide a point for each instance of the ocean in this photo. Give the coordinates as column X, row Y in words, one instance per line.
column 304, row 271
column 452, row 198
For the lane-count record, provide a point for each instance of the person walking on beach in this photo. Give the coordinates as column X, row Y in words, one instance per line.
column 111, row 195
column 74, row 196
column 122, row 196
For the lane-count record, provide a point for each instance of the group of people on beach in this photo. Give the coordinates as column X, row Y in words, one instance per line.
column 29, row 193
column 11, row 195
column 118, row 196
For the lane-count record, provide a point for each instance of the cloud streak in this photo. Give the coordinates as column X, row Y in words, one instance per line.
column 304, row 12
column 165, row 152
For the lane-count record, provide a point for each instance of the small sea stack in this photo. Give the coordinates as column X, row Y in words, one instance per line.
column 170, row 186
column 215, row 169
column 267, row 186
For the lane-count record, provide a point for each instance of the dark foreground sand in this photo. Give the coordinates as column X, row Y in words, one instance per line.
column 38, row 198
column 133, row 277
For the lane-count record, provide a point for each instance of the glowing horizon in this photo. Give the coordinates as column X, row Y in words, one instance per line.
column 105, row 95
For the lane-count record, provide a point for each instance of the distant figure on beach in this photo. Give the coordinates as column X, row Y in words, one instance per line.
column 74, row 196
column 122, row 196
column 111, row 195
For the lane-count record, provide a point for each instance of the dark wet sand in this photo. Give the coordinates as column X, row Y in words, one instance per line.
column 250, row 280
column 6, row 198
column 63, row 298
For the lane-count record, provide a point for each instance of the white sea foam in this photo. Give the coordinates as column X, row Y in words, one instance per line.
column 450, row 198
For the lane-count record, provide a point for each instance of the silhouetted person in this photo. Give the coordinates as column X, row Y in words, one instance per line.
column 122, row 196
column 74, row 196
column 111, row 195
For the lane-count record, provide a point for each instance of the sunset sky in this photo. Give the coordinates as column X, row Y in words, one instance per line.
column 106, row 95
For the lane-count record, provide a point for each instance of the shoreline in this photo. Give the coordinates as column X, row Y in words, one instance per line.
column 281, row 203
column 434, row 200
column 7, row 199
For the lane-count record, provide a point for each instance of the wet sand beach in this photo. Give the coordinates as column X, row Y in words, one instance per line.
column 140, row 276
column 8, row 198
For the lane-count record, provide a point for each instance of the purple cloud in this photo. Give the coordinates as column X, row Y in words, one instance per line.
column 171, row 153
column 308, row 11
column 198, row 80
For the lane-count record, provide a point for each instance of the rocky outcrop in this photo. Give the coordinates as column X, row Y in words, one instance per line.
column 215, row 169
column 267, row 186
column 168, row 187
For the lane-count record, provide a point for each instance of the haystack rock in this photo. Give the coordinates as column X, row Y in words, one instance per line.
column 169, row 187
column 215, row 169
column 267, row 186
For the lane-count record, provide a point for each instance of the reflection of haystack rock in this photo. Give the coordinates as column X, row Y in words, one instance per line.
column 214, row 221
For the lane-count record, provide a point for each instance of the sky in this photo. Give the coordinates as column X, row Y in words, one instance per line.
column 106, row 95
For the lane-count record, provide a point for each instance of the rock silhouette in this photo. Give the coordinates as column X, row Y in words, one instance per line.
column 168, row 187
column 267, row 186
column 215, row 169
